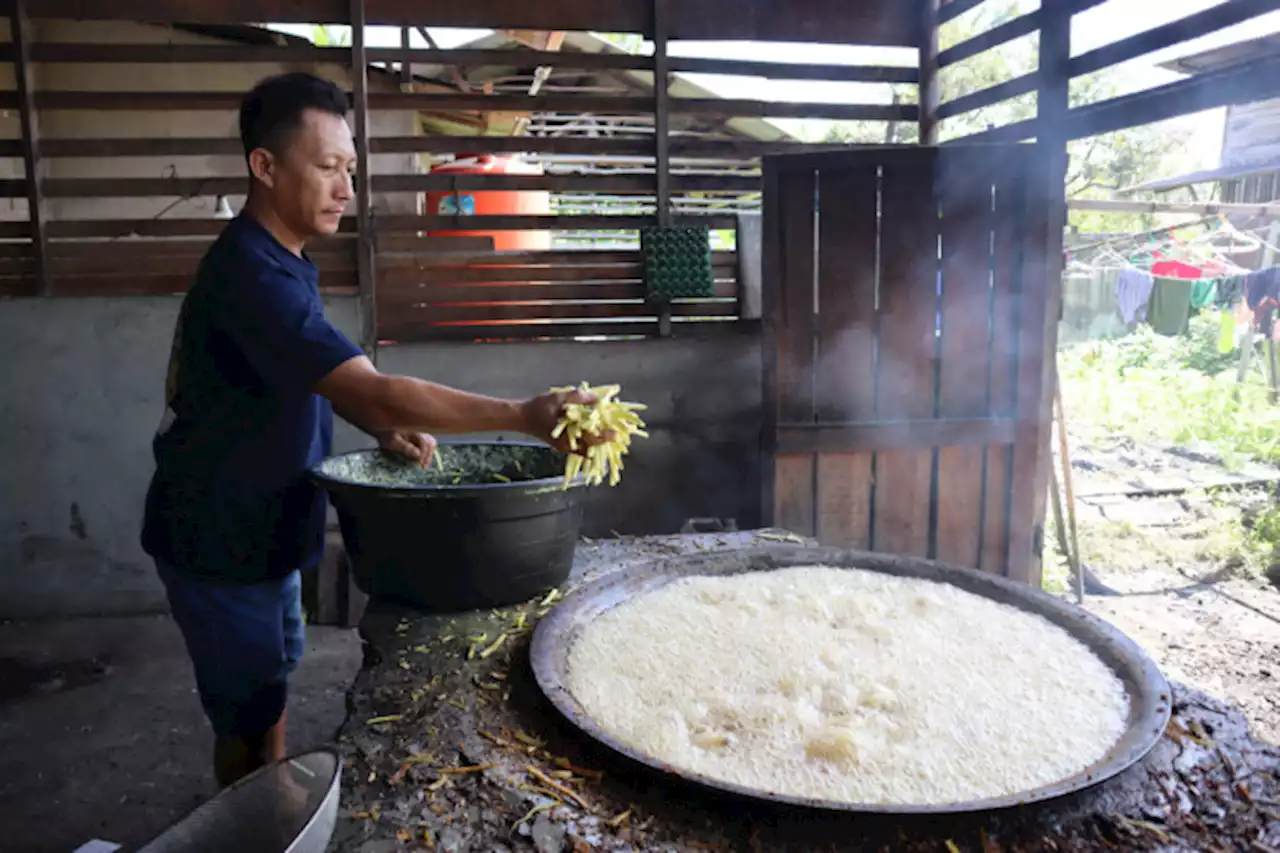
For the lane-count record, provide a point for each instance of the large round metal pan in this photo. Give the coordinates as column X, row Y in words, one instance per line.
column 1149, row 704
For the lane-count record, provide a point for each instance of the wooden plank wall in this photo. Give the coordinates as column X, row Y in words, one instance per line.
column 511, row 295
column 893, row 346
column 417, row 294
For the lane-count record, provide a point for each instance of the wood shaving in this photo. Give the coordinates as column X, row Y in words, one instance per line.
column 564, row 791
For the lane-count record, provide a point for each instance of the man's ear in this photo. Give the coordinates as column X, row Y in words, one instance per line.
column 262, row 165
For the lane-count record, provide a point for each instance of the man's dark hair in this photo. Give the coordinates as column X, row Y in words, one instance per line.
column 272, row 111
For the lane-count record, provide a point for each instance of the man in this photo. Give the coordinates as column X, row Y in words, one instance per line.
column 255, row 374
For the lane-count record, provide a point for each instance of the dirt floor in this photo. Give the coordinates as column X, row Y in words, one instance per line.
column 103, row 735
column 1187, row 591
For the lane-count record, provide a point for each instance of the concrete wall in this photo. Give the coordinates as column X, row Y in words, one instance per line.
column 82, row 396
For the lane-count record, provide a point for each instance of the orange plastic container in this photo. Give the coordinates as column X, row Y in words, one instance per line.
column 492, row 203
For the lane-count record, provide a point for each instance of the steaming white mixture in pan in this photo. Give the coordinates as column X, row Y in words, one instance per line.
column 847, row 685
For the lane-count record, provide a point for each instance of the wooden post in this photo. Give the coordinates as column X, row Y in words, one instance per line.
column 930, row 94
column 662, row 128
column 365, row 247
column 406, row 63
column 21, row 33
column 1051, row 132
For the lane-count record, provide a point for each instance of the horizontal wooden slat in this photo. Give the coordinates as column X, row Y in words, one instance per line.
column 1211, row 20
column 157, row 146
column 443, row 275
column 392, row 294
column 564, row 183
column 143, row 264
column 434, row 144
column 123, row 228
column 185, row 53
column 992, row 38
column 840, row 438
column 494, row 103
column 1016, row 132
column 140, row 187
column 952, row 9
column 745, row 149
column 991, row 95
column 142, row 285
column 838, row 158
column 887, row 22
column 635, row 147
column 553, row 223
column 191, row 187
column 472, row 58
column 15, row 287
column 796, row 71
column 575, row 257
column 218, row 53
column 479, row 313
column 742, row 108
column 638, row 327
column 409, row 245
column 1249, row 81
column 513, row 58
column 416, row 101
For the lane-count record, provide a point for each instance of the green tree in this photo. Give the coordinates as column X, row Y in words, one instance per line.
column 326, row 36
column 626, row 42
column 1100, row 165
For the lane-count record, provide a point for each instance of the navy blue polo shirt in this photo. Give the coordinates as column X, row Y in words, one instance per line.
column 230, row 497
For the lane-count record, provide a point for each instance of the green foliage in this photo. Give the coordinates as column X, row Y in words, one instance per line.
column 325, row 36
column 1262, row 537
column 626, row 42
column 1180, row 390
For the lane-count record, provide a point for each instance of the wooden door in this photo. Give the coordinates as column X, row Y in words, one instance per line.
column 909, row 323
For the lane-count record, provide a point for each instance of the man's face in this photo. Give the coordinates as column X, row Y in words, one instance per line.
column 310, row 180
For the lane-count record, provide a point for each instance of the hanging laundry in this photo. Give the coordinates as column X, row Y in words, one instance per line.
column 1230, row 291
column 1174, row 269
column 1169, row 310
column 1226, row 332
column 1262, row 291
column 1133, row 292
column 1203, row 293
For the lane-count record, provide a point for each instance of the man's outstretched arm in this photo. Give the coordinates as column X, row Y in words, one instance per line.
column 381, row 403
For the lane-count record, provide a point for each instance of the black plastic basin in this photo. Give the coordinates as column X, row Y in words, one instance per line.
column 493, row 528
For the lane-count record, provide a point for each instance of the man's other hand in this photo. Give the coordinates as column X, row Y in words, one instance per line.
column 418, row 446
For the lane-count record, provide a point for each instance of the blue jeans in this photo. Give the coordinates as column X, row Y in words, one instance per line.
column 244, row 640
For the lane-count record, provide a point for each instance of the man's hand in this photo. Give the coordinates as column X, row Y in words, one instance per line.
column 542, row 414
column 418, row 446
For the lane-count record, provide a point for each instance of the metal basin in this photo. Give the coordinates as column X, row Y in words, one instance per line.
column 490, row 527
column 287, row 807
column 1149, row 698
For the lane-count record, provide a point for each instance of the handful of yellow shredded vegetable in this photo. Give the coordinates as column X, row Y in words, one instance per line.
column 605, row 415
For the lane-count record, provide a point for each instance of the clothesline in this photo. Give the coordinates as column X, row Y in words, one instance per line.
column 1199, row 251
